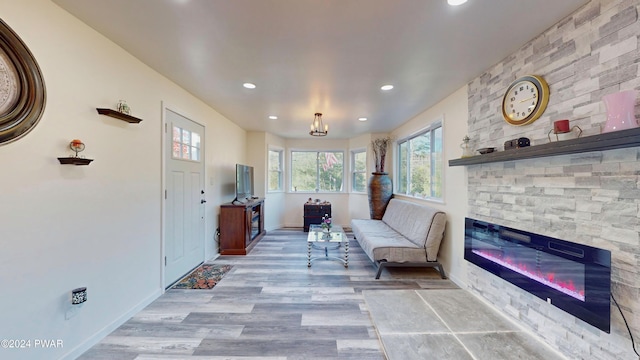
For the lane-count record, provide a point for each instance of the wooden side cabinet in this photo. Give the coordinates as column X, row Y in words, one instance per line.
column 241, row 226
column 313, row 214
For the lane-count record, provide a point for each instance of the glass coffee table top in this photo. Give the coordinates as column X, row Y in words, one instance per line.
column 334, row 239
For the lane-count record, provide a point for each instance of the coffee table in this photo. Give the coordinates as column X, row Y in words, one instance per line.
column 325, row 241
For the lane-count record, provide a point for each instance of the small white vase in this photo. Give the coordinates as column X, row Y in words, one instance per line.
column 620, row 111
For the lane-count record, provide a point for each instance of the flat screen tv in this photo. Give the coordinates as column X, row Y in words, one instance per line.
column 244, row 182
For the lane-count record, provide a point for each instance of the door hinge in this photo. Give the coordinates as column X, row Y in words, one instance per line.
column 165, row 128
column 165, row 194
column 165, row 261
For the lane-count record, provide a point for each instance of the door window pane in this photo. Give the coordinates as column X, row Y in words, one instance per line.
column 195, row 139
column 186, row 145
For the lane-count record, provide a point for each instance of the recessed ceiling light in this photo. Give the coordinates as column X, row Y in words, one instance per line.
column 456, row 2
column 362, row 119
column 273, row 117
column 386, row 87
column 249, row 85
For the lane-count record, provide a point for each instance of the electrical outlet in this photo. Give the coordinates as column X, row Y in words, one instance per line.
column 78, row 296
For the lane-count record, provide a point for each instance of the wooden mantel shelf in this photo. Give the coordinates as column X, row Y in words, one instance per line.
column 608, row 141
column 118, row 115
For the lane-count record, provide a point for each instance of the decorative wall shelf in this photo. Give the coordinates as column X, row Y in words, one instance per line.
column 118, row 115
column 74, row 161
column 608, row 141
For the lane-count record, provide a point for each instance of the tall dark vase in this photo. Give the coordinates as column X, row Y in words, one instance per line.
column 380, row 192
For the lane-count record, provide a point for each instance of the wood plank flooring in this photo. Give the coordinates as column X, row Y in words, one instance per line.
column 269, row 306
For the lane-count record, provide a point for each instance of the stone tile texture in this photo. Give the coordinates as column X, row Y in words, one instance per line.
column 591, row 198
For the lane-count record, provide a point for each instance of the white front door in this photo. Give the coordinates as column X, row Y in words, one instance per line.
column 184, row 196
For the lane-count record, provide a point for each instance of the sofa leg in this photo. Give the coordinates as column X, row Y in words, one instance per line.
column 441, row 270
column 381, row 265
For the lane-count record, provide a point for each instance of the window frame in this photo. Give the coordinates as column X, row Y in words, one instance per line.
column 281, row 169
column 353, row 170
column 318, row 165
column 431, row 128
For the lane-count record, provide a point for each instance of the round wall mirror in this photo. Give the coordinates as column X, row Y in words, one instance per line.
column 22, row 91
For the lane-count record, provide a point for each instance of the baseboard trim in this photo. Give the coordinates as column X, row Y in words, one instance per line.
column 95, row 338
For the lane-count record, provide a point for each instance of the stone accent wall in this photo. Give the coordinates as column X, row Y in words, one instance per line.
column 591, row 198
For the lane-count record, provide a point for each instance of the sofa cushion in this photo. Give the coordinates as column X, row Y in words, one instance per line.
column 411, row 220
column 384, row 243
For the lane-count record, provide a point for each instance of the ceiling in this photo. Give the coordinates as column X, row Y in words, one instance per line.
column 328, row 56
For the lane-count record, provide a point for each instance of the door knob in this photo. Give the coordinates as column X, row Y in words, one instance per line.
column 203, row 201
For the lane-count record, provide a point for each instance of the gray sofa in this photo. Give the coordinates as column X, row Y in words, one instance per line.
column 409, row 235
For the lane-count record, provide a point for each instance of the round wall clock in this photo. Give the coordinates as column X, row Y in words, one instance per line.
column 525, row 100
column 22, row 91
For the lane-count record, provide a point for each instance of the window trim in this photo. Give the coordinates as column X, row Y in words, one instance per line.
column 352, row 171
column 430, row 128
column 317, row 190
column 281, row 185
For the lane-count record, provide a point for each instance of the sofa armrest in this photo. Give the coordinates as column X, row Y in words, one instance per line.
column 435, row 236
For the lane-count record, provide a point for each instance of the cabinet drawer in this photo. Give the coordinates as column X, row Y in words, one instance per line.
column 317, row 210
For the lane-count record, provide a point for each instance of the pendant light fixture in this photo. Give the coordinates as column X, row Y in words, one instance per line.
column 317, row 128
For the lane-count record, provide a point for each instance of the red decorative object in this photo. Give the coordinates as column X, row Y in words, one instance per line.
column 561, row 126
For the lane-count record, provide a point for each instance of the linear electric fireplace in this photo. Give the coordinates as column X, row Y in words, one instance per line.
column 573, row 277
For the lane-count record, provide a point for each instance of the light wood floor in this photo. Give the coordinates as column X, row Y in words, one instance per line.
column 269, row 306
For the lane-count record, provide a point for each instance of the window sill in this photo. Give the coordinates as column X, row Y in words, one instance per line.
column 430, row 200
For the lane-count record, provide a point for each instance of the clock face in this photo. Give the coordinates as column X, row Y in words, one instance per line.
column 521, row 100
column 525, row 100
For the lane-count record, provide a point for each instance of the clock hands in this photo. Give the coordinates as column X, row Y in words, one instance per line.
column 533, row 97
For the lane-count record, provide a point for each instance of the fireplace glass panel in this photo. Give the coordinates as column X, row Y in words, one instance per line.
column 573, row 277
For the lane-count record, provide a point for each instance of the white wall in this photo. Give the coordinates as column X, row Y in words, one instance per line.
column 359, row 202
column 97, row 226
column 453, row 111
column 274, row 211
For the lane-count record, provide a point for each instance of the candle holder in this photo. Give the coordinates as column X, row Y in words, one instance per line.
column 563, row 131
column 77, row 146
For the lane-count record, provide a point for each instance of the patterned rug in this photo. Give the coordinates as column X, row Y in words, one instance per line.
column 206, row 276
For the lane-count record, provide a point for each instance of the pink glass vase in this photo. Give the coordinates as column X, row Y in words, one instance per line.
column 620, row 111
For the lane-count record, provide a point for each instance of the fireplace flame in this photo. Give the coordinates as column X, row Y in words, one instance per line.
column 548, row 279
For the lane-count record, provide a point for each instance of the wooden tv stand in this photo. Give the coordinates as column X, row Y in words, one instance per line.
column 241, row 226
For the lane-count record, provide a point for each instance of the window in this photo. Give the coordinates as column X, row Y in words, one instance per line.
column 275, row 170
column 358, row 171
column 186, row 144
column 420, row 164
column 317, row 171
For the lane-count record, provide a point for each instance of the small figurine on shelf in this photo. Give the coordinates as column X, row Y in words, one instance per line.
column 326, row 223
column 77, row 146
column 466, row 149
column 123, row 107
